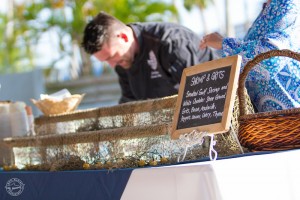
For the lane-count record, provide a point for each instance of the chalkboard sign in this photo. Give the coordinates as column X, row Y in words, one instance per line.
column 206, row 97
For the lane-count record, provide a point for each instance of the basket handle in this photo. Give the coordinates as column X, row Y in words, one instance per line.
column 263, row 56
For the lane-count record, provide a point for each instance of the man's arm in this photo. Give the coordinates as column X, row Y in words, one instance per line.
column 179, row 54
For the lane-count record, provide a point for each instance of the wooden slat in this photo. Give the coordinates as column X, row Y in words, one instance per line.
column 90, row 136
column 122, row 109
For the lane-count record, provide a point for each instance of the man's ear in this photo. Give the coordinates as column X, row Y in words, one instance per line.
column 123, row 36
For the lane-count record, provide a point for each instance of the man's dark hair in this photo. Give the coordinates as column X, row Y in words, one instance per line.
column 96, row 32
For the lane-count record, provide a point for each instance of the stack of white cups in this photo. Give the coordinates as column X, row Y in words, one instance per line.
column 5, row 131
column 18, row 119
column 5, row 127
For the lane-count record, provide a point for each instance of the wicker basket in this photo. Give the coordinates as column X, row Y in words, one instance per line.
column 54, row 107
column 277, row 130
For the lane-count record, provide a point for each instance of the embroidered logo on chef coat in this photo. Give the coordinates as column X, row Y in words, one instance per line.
column 152, row 62
column 177, row 86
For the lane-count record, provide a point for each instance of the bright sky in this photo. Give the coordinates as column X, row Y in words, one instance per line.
column 215, row 15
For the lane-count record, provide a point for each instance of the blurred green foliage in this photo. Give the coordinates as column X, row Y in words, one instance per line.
column 25, row 23
column 201, row 4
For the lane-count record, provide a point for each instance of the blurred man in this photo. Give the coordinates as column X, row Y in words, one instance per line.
column 148, row 57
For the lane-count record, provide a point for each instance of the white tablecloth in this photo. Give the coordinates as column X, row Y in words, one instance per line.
column 274, row 176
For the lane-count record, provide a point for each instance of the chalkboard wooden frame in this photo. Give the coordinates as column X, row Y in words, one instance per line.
column 229, row 65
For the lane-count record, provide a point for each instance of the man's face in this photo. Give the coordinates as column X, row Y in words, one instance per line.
column 116, row 52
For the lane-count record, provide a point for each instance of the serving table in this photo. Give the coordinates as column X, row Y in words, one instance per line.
column 263, row 175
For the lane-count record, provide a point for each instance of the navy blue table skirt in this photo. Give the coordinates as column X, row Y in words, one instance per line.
column 73, row 185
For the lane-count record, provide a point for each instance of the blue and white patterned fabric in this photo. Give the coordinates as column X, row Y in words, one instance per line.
column 274, row 84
